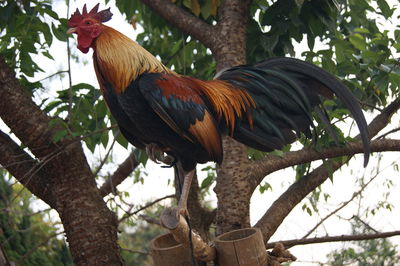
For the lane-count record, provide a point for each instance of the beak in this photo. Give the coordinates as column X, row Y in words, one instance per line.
column 71, row 30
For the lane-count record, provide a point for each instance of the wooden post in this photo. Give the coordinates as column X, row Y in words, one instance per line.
column 243, row 247
column 165, row 251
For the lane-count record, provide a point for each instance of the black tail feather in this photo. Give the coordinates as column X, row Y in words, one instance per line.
column 285, row 91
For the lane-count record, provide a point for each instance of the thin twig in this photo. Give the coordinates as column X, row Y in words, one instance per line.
column 122, row 172
column 356, row 217
column 389, row 132
column 143, row 207
column 135, row 251
column 96, row 132
column 340, row 207
column 318, row 240
column 149, row 219
column 34, row 170
column 52, row 75
column 70, row 94
column 370, row 106
column 105, row 158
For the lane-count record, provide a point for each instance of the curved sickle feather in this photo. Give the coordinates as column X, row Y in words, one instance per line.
column 314, row 75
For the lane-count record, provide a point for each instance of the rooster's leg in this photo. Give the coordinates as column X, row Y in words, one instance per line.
column 187, row 182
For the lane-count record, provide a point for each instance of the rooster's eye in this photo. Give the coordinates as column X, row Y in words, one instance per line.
column 88, row 22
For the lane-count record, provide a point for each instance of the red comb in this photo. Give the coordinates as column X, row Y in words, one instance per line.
column 77, row 17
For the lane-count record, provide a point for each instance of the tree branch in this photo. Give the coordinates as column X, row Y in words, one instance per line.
column 25, row 169
column 300, row 189
column 123, row 171
column 22, row 116
column 135, row 251
column 141, row 208
column 102, row 162
column 185, row 21
column 271, row 164
column 259, row 169
column 317, row 240
column 150, row 220
column 344, row 204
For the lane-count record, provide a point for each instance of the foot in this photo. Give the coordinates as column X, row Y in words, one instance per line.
column 157, row 155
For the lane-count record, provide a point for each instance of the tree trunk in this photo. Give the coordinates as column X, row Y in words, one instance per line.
column 232, row 187
column 90, row 227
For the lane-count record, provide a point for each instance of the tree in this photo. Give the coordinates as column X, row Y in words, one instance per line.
column 191, row 37
column 26, row 237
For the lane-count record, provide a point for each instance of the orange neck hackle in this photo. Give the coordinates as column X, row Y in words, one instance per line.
column 121, row 60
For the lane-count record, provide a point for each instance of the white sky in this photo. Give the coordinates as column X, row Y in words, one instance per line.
column 298, row 222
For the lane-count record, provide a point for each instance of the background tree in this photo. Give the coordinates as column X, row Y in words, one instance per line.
column 368, row 252
column 28, row 237
column 51, row 132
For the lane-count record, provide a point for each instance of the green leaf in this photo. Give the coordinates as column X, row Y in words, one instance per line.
column 59, row 135
column 387, row 12
column 47, row 9
column 264, row 187
column 52, row 105
column 120, row 139
column 358, row 41
column 207, row 181
column 104, row 139
column 362, row 30
column 60, row 32
column 141, row 156
column 48, row 55
column 278, row 153
column 397, row 46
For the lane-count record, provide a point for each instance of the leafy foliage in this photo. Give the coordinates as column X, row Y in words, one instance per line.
column 175, row 49
column 25, row 232
column 357, row 50
column 24, row 32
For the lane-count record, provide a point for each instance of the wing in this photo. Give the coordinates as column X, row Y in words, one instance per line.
column 179, row 103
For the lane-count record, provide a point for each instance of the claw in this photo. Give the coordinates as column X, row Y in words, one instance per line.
column 154, row 151
column 157, row 155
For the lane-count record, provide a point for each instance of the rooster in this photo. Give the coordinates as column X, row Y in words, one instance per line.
column 265, row 106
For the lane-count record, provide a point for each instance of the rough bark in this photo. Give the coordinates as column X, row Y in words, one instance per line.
column 230, row 43
column 90, row 227
column 232, row 189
